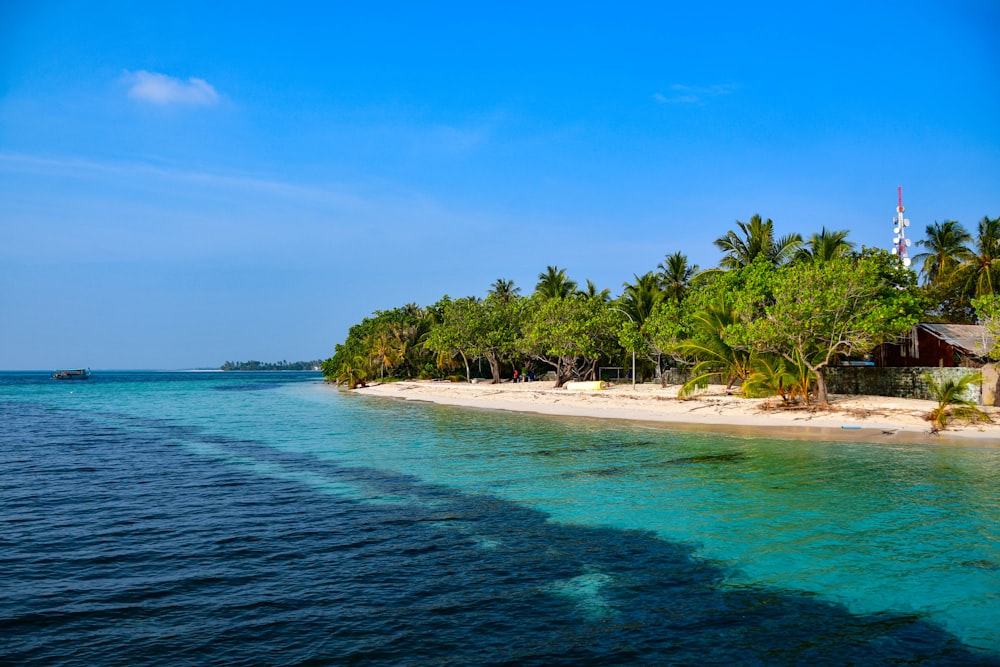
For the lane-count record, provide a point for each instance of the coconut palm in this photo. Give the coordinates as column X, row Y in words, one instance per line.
column 713, row 354
column 554, row 284
column 947, row 248
column 387, row 348
column 675, row 275
column 981, row 268
column 409, row 326
column 769, row 377
column 592, row 292
column 350, row 369
column 756, row 239
column 826, row 245
column 639, row 298
column 505, row 290
column 951, row 403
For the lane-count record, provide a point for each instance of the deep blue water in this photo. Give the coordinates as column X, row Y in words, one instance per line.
column 264, row 518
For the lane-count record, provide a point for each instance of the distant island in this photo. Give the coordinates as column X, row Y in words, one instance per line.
column 272, row 366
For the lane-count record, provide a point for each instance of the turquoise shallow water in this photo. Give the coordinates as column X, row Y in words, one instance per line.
column 555, row 539
column 875, row 527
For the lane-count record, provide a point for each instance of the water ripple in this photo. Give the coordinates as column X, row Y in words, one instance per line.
column 147, row 541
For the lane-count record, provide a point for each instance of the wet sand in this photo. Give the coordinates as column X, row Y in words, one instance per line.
column 851, row 418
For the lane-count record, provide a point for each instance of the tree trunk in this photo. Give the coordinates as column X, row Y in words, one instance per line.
column 562, row 373
column 821, row 397
column 494, row 368
column 468, row 373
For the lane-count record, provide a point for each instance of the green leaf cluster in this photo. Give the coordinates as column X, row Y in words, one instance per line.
column 387, row 345
column 988, row 310
column 817, row 312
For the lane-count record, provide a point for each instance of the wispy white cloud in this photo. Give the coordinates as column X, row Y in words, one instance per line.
column 681, row 94
column 219, row 214
column 164, row 90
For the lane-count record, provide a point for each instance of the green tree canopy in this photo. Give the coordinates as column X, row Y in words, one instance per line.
column 814, row 313
column 981, row 268
column 593, row 292
column 755, row 239
column 554, row 284
column 473, row 329
column 458, row 330
column 570, row 335
column 504, row 289
column 676, row 275
column 387, row 343
column 947, row 247
column 988, row 312
column 640, row 298
column 825, row 245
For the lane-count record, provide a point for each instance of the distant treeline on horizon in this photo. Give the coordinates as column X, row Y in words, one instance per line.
column 272, row 366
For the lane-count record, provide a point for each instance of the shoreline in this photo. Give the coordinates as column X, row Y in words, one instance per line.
column 878, row 419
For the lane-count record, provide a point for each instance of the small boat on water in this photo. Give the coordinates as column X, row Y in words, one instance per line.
column 72, row 374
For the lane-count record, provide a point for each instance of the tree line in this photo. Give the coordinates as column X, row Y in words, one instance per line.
column 771, row 317
column 271, row 366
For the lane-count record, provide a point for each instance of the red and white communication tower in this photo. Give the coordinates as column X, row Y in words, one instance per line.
column 900, row 242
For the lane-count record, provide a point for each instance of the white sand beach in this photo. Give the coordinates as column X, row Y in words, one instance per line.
column 856, row 418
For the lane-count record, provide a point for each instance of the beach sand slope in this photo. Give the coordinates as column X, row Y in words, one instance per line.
column 854, row 418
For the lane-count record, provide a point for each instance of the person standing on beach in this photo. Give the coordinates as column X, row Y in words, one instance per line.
column 514, row 379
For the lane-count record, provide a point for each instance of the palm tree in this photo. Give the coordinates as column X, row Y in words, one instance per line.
column 554, row 284
column 504, row 290
column 769, row 377
column 757, row 240
column 949, row 397
column 713, row 354
column 639, row 299
column 982, row 267
column 592, row 292
column 826, row 245
column 387, row 348
column 409, row 333
column 946, row 250
column 352, row 369
column 675, row 275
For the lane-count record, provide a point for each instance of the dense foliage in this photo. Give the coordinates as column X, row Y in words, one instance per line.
column 771, row 318
column 271, row 366
column 988, row 308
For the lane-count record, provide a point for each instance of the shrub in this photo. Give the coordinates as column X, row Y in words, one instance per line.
column 950, row 404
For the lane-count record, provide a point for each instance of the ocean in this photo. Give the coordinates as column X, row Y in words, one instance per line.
column 183, row 518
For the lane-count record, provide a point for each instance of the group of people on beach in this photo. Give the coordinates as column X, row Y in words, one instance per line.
column 523, row 376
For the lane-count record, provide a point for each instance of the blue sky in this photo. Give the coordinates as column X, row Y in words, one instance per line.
column 188, row 183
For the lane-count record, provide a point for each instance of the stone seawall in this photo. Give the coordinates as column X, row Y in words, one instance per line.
column 898, row 382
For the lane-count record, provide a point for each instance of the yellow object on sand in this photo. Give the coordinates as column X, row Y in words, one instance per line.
column 596, row 385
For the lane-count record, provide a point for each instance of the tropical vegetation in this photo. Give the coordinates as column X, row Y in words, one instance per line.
column 769, row 320
column 952, row 402
column 958, row 267
column 271, row 365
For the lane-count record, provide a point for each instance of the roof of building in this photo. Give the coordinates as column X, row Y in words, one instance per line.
column 969, row 338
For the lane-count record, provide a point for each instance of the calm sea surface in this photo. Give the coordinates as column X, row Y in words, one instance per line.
column 264, row 518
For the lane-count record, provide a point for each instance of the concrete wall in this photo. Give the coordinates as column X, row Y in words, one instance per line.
column 682, row 375
column 900, row 382
column 991, row 385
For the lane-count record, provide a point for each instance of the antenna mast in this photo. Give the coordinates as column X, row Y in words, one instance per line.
column 900, row 242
